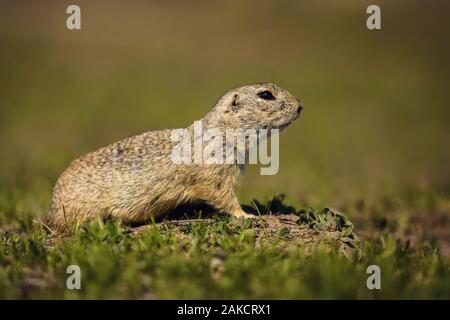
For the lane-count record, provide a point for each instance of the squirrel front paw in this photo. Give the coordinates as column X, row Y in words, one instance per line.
column 242, row 214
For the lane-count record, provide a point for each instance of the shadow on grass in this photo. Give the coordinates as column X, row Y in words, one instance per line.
column 202, row 210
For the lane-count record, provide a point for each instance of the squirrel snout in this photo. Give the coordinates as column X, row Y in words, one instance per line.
column 299, row 106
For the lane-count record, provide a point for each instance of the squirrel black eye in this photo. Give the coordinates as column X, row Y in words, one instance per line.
column 266, row 95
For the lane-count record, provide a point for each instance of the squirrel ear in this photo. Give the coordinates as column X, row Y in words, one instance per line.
column 235, row 102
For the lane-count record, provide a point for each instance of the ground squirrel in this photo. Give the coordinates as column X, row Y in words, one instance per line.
column 135, row 179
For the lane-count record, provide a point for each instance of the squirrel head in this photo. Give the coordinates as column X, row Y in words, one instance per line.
column 255, row 106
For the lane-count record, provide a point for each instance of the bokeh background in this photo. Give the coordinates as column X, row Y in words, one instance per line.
column 373, row 140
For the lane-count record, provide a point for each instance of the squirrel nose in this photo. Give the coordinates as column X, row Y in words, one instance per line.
column 299, row 107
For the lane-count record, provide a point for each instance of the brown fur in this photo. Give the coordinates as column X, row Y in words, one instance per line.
column 135, row 179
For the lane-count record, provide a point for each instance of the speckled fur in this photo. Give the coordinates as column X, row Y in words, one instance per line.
column 135, row 179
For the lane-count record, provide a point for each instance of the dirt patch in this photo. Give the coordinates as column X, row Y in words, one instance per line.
column 305, row 229
column 426, row 228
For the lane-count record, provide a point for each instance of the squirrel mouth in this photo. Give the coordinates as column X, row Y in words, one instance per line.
column 284, row 125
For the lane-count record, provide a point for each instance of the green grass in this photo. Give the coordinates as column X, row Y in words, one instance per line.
column 220, row 259
column 371, row 143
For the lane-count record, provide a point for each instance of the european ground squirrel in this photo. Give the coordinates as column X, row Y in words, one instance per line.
column 136, row 178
